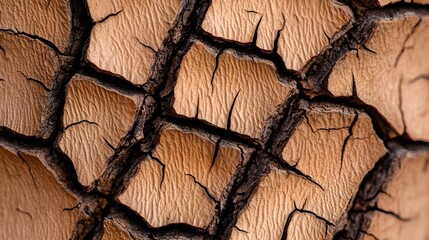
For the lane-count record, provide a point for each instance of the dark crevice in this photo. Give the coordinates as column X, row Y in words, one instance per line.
column 91, row 224
column 249, row 50
column 79, row 122
column 109, row 80
column 318, row 69
column 390, row 213
column 228, row 120
column 164, row 69
column 255, row 33
column 155, row 98
column 420, row 77
column 81, row 27
column 206, row 128
column 283, row 165
column 109, row 144
column 143, row 136
column 162, row 166
column 141, row 229
column 38, row 82
column 367, row 49
column 400, row 107
column 218, row 55
column 16, row 140
column 42, row 40
column 145, row 45
column 302, row 210
column 77, row 206
column 108, row 16
column 2, row 50
column 369, row 234
column 240, row 230
column 382, row 127
column 205, row 189
column 359, row 215
column 215, row 153
column 327, row 37
column 276, row 40
column 346, row 140
column 275, row 135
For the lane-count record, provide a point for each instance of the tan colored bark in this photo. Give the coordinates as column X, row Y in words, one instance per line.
column 94, row 118
column 32, row 202
column 182, row 166
column 50, row 20
column 406, row 197
column 238, row 20
column 200, row 119
column 385, row 78
column 245, row 90
column 27, row 71
column 316, row 149
column 115, row 40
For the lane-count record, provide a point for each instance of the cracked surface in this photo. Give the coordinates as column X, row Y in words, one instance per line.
column 262, row 22
column 203, row 119
column 253, row 90
column 406, row 196
column 32, row 199
column 404, row 85
column 94, row 121
column 188, row 167
column 124, row 28
column 47, row 19
column 315, row 149
column 27, row 71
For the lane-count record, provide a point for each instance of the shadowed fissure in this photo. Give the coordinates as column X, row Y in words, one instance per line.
column 259, row 155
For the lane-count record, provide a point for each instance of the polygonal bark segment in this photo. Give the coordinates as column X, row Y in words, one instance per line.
column 127, row 34
column 31, row 201
column 336, row 147
column 94, row 121
column 397, row 89
column 50, row 20
column 187, row 166
column 288, row 22
column 27, row 70
column 405, row 202
column 234, row 93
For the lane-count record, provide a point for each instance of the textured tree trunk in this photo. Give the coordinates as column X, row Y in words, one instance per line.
column 223, row 119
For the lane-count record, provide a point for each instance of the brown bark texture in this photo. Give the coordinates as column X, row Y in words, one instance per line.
column 223, row 119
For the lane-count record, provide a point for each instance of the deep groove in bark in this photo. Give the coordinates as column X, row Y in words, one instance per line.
column 155, row 110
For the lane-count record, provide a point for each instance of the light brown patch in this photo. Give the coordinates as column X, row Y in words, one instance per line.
column 395, row 82
column 315, row 149
column 303, row 35
column 22, row 101
column 114, row 44
column 32, row 201
column 256, row 84
column 178, row 198
column 109, row 115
